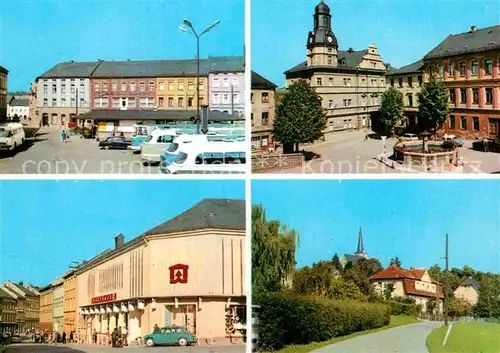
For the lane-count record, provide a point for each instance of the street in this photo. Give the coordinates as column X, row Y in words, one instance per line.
column 403, row 339
column 49, row 155
column 347, row 152
column 39, row 348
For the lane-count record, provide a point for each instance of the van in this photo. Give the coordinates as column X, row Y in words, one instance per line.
column 11, row 136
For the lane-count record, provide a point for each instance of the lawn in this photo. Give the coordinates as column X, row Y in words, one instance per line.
column 399, row 320
column 466, row 337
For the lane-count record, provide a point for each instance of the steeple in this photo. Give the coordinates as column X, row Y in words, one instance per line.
column 322, row 44
column 361, row 247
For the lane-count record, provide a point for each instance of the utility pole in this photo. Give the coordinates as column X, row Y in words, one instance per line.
column 446, row 283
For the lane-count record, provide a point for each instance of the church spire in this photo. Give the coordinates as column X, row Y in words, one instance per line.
column 361, row 247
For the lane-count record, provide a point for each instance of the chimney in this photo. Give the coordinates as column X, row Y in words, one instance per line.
column 119, row 241
column 473, row 28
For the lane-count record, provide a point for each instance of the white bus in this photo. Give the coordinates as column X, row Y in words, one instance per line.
column 226, row 157
column 11, row 136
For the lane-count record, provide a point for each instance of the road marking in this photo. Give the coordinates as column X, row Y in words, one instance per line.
column 447, row 334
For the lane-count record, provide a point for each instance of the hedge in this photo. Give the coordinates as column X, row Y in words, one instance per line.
column 398, row 308
column 287, row 318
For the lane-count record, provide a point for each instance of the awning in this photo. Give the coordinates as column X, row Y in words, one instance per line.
column 171, row 115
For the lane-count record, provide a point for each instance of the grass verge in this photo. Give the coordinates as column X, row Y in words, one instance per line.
column 466, row 337
column 396, row 321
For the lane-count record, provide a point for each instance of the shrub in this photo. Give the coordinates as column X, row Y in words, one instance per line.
column 400, row 308
column 288, row 318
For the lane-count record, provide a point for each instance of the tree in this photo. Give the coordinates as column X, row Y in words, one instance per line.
column 458, row 307
column 360, row 271
column 299, row 117
column 336, row 262
column 342, row 289
column 389, row 288
column 395, row 261
column 273, row 252
column 433, row 102
column 391, row 109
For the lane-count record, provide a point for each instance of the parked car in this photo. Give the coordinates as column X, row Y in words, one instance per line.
column 409, row 137
column 16, row 339
column 114, row 142
column 487, row 145
column 170, row 335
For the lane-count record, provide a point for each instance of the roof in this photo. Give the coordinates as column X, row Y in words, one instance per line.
column 5, row 295
column 416, row 67
column 146, row 68
column 20, row 103
column 207, row 214
column 349, row 59
column 469, row 42
column 26, row 291
column 173, row 115
column 259, row 82
column 470, row 282
column 4, row 70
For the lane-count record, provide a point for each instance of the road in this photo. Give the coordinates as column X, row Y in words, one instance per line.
column 348, row 152
column 38, row 348
column 49, row 155
column 403, row 339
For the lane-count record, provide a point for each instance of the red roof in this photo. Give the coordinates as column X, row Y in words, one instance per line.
column 408, row 277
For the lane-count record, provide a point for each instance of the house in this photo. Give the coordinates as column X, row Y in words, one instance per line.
column 414, row 283
column 468, row 290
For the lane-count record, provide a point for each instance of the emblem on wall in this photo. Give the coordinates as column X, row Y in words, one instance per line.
column 178, row 273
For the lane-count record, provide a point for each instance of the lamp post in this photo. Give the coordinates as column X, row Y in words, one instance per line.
column 188, row 28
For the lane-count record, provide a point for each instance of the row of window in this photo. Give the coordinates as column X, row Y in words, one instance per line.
column 130, row 102
column 264, row 97
column 409, row 80
column 473, row 67
column 216, row 82
column 64, row 103
column 216, row 98
column 348, row 102
column 72, row 88
column 180, row 102
column 463, row 123
column 347, row 82
column 475, row 95
column 264, row 118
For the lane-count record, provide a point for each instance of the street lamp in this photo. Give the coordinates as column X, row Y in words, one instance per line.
column 188, row 28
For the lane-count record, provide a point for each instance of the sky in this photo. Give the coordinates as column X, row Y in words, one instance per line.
column 37, row 35
column 47, row 224
column 404, row 218
column 404, row 31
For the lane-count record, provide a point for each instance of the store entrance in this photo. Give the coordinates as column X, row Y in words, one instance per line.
column 183, row 315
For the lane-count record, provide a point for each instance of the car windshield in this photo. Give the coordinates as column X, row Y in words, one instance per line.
column 181, row 158
column 173, row 147
column 149, row 138
column 5, row 133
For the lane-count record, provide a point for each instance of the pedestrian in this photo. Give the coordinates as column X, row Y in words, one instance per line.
column 156, row 329
column 124, row 335
column 71, row 337
column 63, row 136
column 94, row 337
column 64, row 337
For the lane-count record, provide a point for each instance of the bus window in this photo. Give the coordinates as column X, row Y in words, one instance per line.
column 199, row 159
column 234, row 158
column 213, row 158
column 165, row 139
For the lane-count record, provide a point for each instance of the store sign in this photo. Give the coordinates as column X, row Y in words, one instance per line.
column 178, row 273
column 104, row 298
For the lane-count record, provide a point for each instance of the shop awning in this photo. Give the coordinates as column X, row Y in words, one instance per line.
column 172, row 115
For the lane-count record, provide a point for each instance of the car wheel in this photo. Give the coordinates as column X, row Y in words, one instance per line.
column 150, row 342
column 106, row 148
column 183, row 342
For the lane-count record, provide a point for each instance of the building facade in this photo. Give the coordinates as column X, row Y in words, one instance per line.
column 468, row 291
column 349, row 83
column 263, row 99
column 46, row 308
column 8, row 314
column 200, row 285
column 20, row 319
column 3, row 93
column 408, row 80
column 19, row 109
column 69, row 306
column 414, row 283
column 179, row 93
column 58, row 305
column 31, row 304
column 469, row 65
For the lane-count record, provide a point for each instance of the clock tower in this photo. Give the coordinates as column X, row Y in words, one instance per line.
column 322, row 44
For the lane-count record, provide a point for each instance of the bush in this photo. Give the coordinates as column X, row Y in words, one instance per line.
column 287, row 318
column 398, row 308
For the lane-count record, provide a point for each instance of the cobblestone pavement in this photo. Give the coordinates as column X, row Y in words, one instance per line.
column 348, row 152
column 49, row 155
column 403, row 339
column 38, row 348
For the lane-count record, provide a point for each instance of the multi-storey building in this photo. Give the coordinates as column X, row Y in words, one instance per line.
column 58, row 305
column 263, row 111
column 46, row 311
column 469, row 65
column 8, row 314
column 408, row 80
column 468, row 290
column 31, row 303
column 20, row 302
column 19, row 108
column 349, row 83
column 69, row 307
column 227, row 84
column 63, row 92
column 3, row 93
column 203, row 286
column 415, row 283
